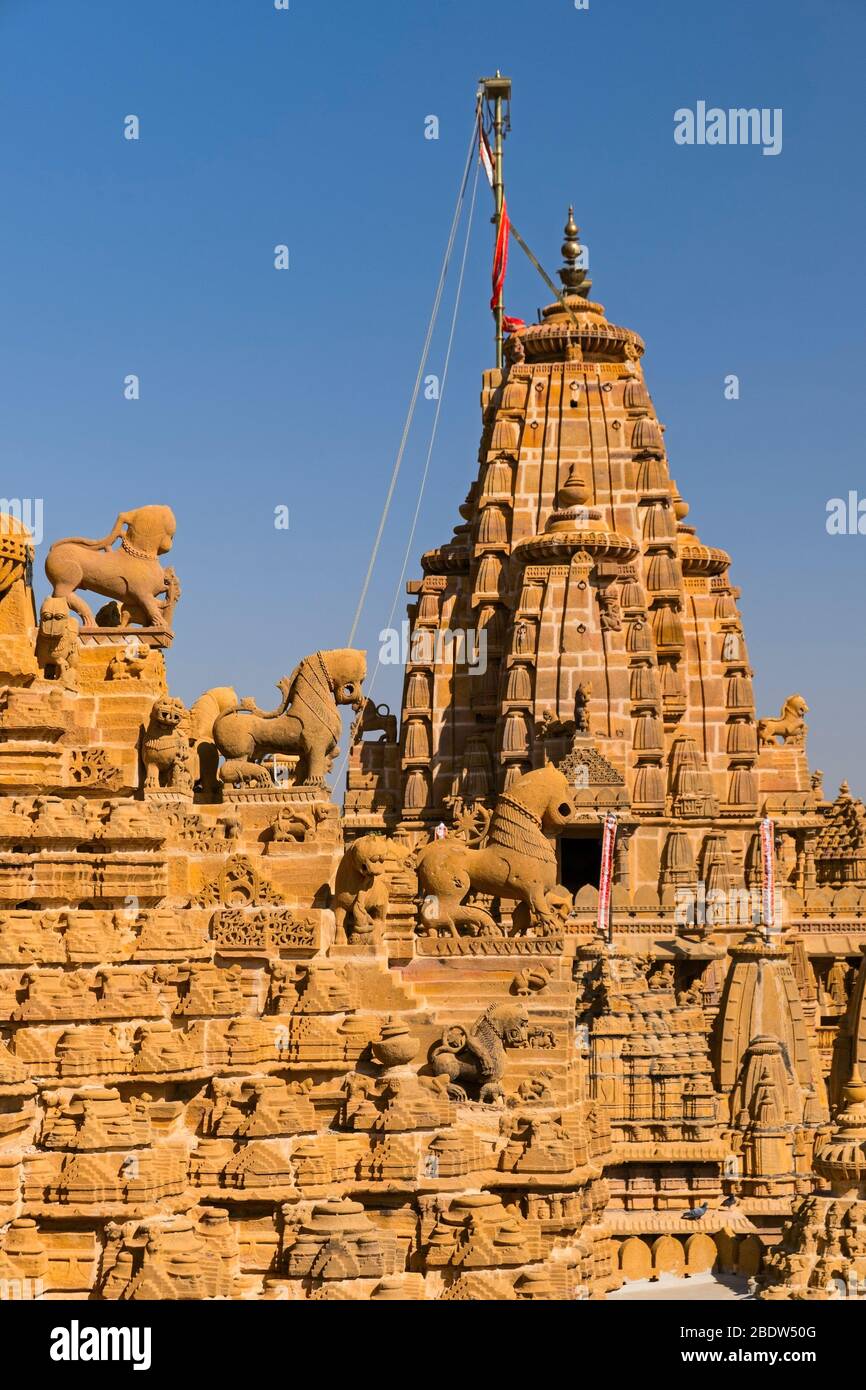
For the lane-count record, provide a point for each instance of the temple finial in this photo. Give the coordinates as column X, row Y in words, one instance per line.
column 573, row 276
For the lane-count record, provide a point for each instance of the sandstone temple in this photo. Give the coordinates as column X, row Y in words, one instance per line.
column 569, row 992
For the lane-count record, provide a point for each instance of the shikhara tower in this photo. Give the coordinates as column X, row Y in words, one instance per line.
column 612, row 635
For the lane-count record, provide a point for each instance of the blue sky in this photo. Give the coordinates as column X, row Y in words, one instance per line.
column 262, row 388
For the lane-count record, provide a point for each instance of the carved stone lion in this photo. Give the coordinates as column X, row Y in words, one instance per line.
column 203, row 714
column 361, row 890
column 132, row 574
column 518, row 860
column 478, row 1056
column 790, row 727
column 307, row 721
column 57, row 640
column 165, row 749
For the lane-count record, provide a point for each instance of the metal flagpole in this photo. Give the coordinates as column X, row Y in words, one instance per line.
column 497, row 90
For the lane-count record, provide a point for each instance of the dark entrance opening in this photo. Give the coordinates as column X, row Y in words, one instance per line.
column 579, row 861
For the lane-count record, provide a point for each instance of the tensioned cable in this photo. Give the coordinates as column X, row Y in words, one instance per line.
column 409, row 544
column 418, row 379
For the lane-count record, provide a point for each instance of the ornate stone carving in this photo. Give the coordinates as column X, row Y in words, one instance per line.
column 518, row 860
column 57, row 641
column 790, row 727
column 165, row 749
column 305, row 722
column 132, row 574
column 478, row 1057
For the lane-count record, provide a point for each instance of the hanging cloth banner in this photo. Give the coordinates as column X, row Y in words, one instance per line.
column 500, row 257
column 500, row 253
column 485, row 153
column 768, row 865
column 606, row 877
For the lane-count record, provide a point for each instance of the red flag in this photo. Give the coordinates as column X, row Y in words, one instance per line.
column 500, row 254
column 500, row 257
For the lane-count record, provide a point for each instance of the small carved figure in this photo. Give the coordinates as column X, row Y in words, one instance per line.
column 662, row 977
column 610, row 614
column 306, row 721
column 514, row 349
column 296, row 823
column 790, row 727
column 478, row 1057
column 165, row 749
column 536, row 1089
column 532, row 979
column 373, row 717
column 518, row 860
column 581, row 707
column 57, row 640
column 129, row 663
column 132, row 575
column 361, row 891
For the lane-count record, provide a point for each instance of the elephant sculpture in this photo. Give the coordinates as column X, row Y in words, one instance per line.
column 306, row 722
column 518, row 860
column 131, row 575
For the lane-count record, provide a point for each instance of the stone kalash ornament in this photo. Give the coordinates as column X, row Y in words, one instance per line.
column 306, row 722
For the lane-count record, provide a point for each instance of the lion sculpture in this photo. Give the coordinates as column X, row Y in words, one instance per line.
column 361, row 889
column 131, row 575
column 306, row 722
column 518, row 860
column 790, row 726
column 165, row 749
column 203, row 714
column 478, row 1056
column 57, row 640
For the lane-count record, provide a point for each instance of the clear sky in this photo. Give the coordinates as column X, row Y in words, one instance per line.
column 261, row 388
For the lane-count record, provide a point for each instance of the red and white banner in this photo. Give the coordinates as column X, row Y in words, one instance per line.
column 485, row 153
column 500, row 253
column 606, row 876
column 768, row 865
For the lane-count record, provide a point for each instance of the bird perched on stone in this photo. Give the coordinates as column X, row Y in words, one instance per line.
column 696, row 1212
column 730, row 1201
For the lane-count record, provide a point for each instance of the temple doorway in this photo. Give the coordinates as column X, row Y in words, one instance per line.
column 580, row 860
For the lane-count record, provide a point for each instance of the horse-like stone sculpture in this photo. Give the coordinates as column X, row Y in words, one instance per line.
column 518, row 860
column 132, row 574
column 306, row 722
